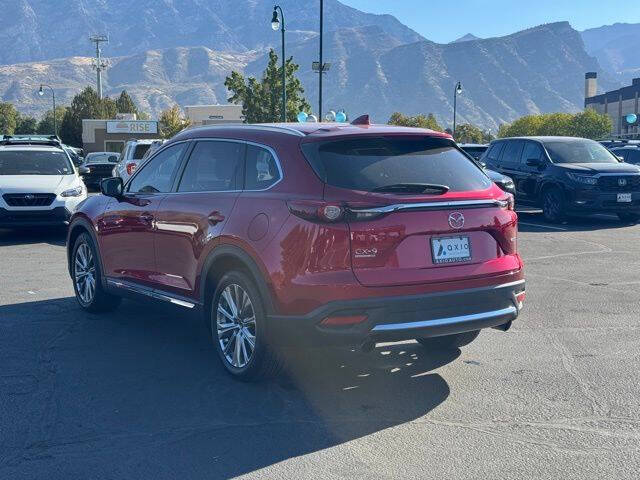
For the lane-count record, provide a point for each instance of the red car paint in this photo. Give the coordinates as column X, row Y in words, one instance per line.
column 163, row 241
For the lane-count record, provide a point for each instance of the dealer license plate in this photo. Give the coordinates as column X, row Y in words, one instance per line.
column 451, row 249
column 624, row 198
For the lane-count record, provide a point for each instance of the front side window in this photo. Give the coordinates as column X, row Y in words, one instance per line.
column 578, row 151
column 158, row 174
column 34, row 163
column 213, row 166
column 494, row 151
column 512, row 151
column 394, row 164
column 532, row 151
column 261, row 169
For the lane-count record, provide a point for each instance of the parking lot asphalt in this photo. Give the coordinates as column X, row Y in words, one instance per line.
column 139, row 393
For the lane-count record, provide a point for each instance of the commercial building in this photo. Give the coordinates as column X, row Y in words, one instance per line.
column 111, row 135
column 213, row 114
column 621, row 105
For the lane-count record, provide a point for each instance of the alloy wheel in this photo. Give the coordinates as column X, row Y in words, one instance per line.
column 85, row 273
column 236, row 325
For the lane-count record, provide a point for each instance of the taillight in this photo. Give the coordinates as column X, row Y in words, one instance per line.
column 520, row 299
column 508, row 202
column 316, row 211
column 131, row 167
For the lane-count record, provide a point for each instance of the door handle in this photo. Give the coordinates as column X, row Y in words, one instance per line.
column 215, row 218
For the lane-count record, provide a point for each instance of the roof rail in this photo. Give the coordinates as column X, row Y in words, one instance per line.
column 254, row 126
column 51, row 140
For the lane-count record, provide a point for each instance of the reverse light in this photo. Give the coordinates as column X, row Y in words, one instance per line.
column 584, row 179
column 73, row 192
column 131, row 167
column 520, row 299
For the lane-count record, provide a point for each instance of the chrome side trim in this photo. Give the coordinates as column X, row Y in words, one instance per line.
column 149, row 293
column 432, row 205
column 391, row 327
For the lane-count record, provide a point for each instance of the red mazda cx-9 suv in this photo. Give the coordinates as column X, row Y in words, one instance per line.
column 306, row 234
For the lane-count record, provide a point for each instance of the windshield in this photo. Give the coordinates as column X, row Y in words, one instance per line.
column 101, row 158
column 34, row 163
column 578, row 151
column 388, row 163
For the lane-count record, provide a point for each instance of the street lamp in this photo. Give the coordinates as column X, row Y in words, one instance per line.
column 53, row 93
column 275, row 25
column 456, row 92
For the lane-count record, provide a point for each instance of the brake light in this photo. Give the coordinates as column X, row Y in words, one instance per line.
column 131, row 167
column 316, row 211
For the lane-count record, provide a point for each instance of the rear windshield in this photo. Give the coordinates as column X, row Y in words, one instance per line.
column 101, row 158
column 34, row 163
column 140, row 150
column 372, row 163
column 578, row 151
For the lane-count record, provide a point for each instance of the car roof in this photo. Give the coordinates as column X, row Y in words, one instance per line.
column 545, row 139
column 33, row 148
column 144, row 141
column 627, row 147
column 302, row 130
column 473, row 145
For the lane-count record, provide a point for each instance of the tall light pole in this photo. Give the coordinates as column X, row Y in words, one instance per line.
column 53, row 94
column 100, row 64
column 456, row 92
column 275, row 24
column 321, row 62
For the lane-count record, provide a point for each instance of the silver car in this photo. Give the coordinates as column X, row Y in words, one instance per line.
column 132, row 155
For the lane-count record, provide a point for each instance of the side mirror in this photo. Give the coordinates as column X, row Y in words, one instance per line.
column 83, row 170
column 534, row 162
column 112, row 187
column 621, row 158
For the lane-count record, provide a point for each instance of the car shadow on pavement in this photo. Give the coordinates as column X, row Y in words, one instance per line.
column 140, row 393
column 51, row 235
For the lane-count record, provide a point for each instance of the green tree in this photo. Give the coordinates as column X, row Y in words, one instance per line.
column 172, row 122
column 125, row 104
column 8, row 118
column 85, row 105
column 467, row 133
column 45, row 126
column 587, row 124
column 26, row 125
column 419, row 121
column 262, row 99
column 591, row 124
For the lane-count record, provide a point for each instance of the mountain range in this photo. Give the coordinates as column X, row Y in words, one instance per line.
column 180, row 51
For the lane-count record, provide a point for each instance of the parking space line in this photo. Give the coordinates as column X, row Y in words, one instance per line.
column 543, row 226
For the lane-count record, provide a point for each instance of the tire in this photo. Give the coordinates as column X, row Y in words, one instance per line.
column 629, row 217
column 242, row 343
column 553, row 204
column 86, row 276
column 449, row 342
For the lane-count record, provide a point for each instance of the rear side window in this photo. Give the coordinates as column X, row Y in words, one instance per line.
column 261, row 169
column 512, row 151
column 139, row 151
column 158, row 174
column 213, row 167
column 494, row 151
column 374, row 163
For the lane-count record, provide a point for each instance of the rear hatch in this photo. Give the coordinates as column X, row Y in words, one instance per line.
column 418, row 210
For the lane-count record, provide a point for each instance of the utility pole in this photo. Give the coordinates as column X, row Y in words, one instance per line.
column 99, row 63
column 321, row 70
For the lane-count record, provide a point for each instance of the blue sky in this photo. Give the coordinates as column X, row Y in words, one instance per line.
column 444, row 21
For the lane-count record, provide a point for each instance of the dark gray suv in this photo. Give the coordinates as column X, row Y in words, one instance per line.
column 567, row 175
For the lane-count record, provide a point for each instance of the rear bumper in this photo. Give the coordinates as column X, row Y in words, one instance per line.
column 402, row 318
column 58, row 216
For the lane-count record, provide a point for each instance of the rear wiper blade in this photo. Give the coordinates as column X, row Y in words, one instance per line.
column 413, row 188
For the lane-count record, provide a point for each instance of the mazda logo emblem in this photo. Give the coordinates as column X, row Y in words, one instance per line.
column 456, row 220
column 622, row 182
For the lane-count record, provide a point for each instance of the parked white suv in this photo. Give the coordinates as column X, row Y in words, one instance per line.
column 131, row 156
column 39, row 185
